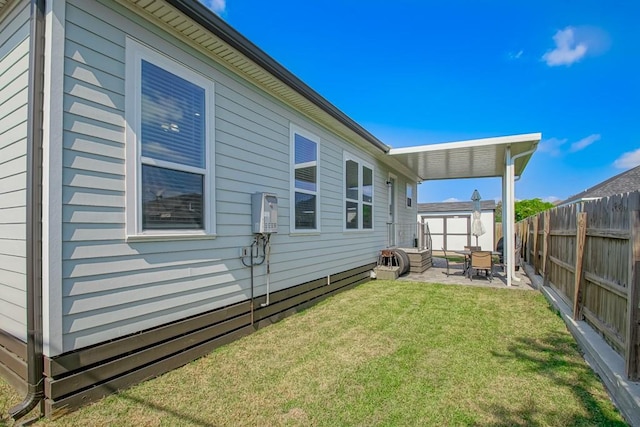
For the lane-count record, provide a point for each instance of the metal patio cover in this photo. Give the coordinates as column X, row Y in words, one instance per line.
column 478, row 158
column 505, row 157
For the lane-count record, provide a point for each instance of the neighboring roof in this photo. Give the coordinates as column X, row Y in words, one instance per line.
column 622, row 183
column 478, row 158
column 486, row 205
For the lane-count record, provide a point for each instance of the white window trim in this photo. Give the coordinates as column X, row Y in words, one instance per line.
column 135, row 53
column 406, row 198
column 361, row 163
column 293, row 130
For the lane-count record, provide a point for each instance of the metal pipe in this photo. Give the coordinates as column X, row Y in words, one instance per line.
column 267, row 254
column 35, row 364
column 524, row 153
column 255, row 242
column 252, row 263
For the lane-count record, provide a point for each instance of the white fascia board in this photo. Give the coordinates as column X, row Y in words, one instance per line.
column 499, row 140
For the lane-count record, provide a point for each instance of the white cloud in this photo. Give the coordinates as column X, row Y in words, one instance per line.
column 217, row 6
column 628, row 160
column 451, row 199
column 552, row 146
column 555, row 146
column 567, row 50
column 551, row 199
column 584, row 142
column 516, row 55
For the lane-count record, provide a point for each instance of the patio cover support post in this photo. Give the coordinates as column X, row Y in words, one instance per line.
column 508, row 219
column 505, row 209
column 509, row 202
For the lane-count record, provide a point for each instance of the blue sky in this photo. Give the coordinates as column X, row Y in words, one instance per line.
column 419, row 72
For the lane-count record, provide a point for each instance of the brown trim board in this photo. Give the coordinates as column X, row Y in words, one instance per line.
column 86, row 375
column 13, row 344
column 13, row 364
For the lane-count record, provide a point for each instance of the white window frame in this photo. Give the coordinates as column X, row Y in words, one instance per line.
column 136, row 52
column 293, row 131
column 409, row 200
column 361, row 164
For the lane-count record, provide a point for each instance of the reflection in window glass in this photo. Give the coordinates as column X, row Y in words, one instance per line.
column 352, row 215
column 173, row 118
column 367, row 184
column 367, row 216
column 306, row 178
column 306, row 150
column 352, row 180
column 305, row 211
column 171, row 199
column 409, row 195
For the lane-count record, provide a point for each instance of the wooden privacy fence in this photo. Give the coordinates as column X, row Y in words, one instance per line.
column 590, row 254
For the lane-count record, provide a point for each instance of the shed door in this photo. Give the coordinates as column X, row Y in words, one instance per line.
column 450, row 232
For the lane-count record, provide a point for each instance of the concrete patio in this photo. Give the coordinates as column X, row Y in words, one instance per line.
column 437, row 274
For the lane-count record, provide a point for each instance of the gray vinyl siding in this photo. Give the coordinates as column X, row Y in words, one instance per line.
column 112, row 287
column 14, row 77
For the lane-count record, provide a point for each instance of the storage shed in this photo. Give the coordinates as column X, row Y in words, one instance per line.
column 450, row 224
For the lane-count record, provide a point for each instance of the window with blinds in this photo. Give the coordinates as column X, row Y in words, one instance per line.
column 169, row 106
column 172, row 149
column 409, row 195
column 305, row 149
column 358, row 193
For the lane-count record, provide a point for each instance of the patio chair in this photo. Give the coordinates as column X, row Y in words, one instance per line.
column 518, row 248
column 451, row 264
column 481, row 260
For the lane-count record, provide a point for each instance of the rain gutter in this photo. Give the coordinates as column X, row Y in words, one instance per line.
column 35, row 377
column 209, row 20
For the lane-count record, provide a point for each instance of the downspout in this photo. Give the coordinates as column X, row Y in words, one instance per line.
column 525, row 153
column 35, row 365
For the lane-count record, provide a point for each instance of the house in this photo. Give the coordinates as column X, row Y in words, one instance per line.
column 450, row 224
column 624, row 182
column 134, row 138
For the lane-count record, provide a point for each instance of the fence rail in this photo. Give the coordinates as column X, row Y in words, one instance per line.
column 590, row 254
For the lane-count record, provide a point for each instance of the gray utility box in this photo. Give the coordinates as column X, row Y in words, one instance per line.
column 264, row 213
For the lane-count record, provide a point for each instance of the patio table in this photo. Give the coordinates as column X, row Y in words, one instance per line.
column 467, row 257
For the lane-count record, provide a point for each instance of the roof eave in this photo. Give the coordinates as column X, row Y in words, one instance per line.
column 209, row 20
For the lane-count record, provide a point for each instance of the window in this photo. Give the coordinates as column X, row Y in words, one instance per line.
column 169, row 157
column 409, row 195
column 305, row 186
column 358, row 194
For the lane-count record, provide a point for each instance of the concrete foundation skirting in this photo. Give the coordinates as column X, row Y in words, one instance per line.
column 608, row 364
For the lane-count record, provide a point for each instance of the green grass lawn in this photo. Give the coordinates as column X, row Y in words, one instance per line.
column 385, row 353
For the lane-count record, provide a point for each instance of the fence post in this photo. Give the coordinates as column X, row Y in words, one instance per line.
column 631, row 342
column 536, row 264
column 581, row 231
column 545, row 249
